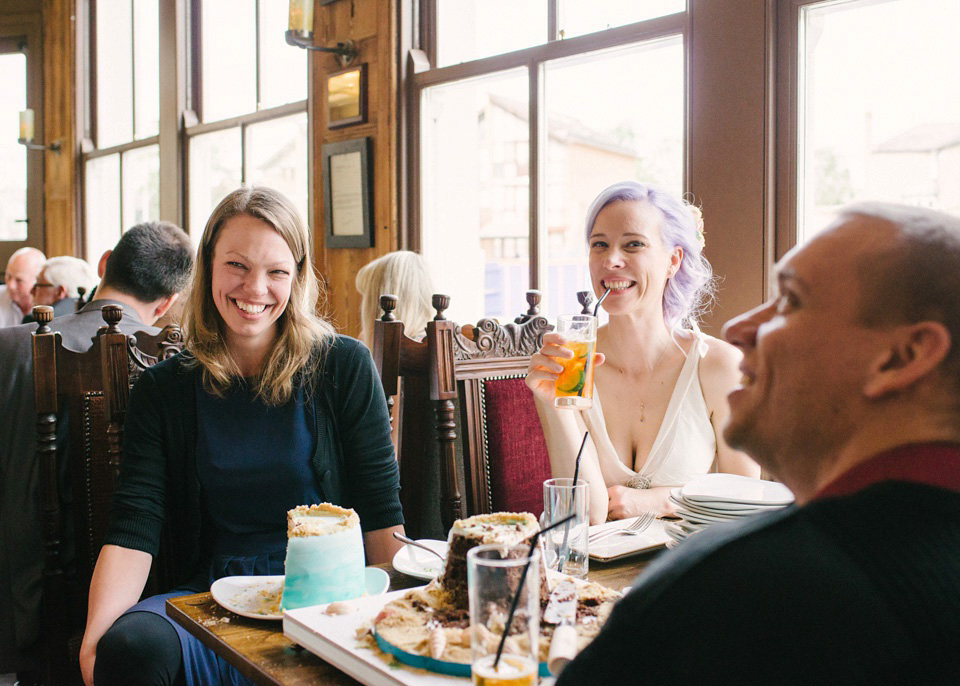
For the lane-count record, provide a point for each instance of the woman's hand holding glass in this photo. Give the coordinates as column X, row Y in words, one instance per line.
column 544, row 368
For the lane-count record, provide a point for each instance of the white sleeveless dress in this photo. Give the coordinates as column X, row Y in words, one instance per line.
column 685, row 446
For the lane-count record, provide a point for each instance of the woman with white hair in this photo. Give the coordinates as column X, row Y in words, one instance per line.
column 663, row 381
column 60, row 283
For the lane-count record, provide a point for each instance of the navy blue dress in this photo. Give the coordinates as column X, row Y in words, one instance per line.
column 253, row 462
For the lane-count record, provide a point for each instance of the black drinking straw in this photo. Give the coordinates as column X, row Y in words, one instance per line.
column 596, row 310
column 564, row 553
column 523, row 577
column 596, row 307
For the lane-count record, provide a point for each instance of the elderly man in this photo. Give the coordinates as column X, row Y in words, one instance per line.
column 59, row 285
column 851, row 396
column 15, row 298
column 144, row 273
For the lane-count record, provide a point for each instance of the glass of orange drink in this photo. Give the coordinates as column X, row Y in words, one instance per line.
column 575, row 385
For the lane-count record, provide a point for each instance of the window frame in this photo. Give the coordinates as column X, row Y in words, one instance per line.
column 534, row 60
column 194, row 125
column 88, row 98
column 25, row 35
column 180, row 109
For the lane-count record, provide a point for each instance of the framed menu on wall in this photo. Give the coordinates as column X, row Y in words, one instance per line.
column 347, row 194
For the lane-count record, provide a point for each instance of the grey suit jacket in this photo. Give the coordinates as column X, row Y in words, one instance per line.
column 21, row 553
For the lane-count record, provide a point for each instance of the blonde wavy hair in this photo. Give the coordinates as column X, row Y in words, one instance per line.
column 403, row 274
column 303, row 335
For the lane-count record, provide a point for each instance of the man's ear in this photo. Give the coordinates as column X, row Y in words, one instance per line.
column 102, row 265
column 163, row 305
column 59, row 293
column 915, row 350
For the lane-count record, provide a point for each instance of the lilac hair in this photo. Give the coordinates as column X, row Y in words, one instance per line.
column 690, row 290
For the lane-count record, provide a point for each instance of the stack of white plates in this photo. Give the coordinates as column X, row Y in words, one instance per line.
column 713, row 498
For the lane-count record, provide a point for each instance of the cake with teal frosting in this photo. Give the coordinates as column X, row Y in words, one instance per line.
column 324, row 556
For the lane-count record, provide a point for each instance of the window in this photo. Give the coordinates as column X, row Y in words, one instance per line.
column 241, row 115
column 520, row 129
column 13, row 170
column 121, row 174
column 250, row 99
column 876, row 120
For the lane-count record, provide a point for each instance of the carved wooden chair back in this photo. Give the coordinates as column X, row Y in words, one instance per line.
column 89, row 389
column 505, row 453
column 419, row 374
column 92, row 388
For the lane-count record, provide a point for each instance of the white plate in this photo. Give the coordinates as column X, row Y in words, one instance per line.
column 258, row 597
column 420, row 564
column 733, row 488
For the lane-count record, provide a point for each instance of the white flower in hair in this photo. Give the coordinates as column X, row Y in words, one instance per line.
column 698, row 224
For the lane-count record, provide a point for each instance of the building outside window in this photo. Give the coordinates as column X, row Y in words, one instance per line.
column 878, row 106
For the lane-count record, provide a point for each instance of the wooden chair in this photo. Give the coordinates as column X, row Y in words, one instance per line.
column 505, row 453
column 91, row 388
column 426, row 429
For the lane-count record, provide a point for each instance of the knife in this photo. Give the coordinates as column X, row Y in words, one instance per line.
column 562, row 610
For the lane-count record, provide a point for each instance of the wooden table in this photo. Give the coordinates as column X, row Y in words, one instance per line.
column 260, row 651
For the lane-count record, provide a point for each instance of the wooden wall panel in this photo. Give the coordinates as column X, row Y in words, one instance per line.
column 60, row 123
column 728, row 153
column 372, row 25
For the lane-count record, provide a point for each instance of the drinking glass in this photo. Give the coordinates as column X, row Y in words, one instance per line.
column 565, row 547
column 493, row 576
column 575, row 385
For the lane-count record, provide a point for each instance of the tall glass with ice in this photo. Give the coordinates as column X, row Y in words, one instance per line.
column 493, row 577
column 575, row 385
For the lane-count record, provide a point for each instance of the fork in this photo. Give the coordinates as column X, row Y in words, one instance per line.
column 638, row 526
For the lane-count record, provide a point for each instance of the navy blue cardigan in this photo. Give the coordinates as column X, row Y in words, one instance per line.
column 354, row 460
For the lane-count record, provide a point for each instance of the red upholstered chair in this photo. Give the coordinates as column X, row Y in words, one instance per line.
column 505, row 453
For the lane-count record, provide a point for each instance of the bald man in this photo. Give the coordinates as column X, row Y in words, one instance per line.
column 23, row 267
column 851, row 397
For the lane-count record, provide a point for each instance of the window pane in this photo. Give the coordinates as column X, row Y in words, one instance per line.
column 214, row 172
column 470, row 29
column 141, row 185
column 578, row 17
column 476, row 181
column 613, row 135
column 229, row 58
column 146, row 64
column 13, row 156
column 114, row 73
column 283, row 68
column 102, row 205
column 277, row 157
column 878, row 121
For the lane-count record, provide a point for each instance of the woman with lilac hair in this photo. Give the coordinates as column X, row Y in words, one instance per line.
column 662, row 382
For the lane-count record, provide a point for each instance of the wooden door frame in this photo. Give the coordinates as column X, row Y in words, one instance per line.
column 28, row 29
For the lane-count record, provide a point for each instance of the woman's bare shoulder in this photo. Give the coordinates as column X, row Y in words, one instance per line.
column 721, row 362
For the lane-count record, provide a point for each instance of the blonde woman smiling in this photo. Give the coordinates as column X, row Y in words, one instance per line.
column 266, row 409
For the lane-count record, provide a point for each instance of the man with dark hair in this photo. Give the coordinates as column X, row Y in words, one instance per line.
column 851, row 397
column 144, row 274
column 149, row 260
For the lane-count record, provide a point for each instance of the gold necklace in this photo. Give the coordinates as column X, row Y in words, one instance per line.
column 621, row 370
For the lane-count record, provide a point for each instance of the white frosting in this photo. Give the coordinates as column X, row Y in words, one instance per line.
column 506, row 528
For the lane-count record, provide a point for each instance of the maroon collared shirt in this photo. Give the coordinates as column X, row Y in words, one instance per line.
column 933, row 464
